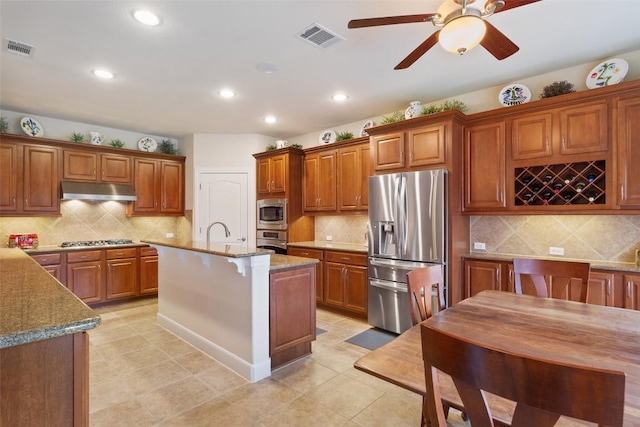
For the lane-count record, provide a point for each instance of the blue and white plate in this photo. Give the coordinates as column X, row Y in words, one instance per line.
column 147, row 144
column 31, row 127
column 327, row 136
column 607, row 73
column 514, row 94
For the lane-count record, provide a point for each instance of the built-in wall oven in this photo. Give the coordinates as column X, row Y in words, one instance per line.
column 272, row 239
column 272, row 214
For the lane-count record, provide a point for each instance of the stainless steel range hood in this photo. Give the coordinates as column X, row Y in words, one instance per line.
column 97, row 191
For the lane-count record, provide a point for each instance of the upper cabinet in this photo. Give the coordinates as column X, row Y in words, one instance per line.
column 354, row 168
column 30, row 176
column 272, row 175
column 319, row 192
column 96, row 167
column 159, row 187
column 627, row 126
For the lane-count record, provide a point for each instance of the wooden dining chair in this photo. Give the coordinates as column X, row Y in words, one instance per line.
column 420, row 286
column 540, row 270
column 543, row 390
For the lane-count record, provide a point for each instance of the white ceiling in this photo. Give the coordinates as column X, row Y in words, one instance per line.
column 167, row 77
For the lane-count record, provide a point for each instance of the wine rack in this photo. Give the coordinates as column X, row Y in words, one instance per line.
column 561, row 184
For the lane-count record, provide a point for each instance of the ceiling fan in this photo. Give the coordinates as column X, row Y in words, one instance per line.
column 463, row 28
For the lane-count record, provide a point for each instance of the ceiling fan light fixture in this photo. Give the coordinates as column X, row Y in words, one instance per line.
column 462, row 34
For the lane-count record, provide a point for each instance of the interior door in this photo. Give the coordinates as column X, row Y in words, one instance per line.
column 223, row 197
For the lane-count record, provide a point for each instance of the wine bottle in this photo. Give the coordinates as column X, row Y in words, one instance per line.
column 591, row 177
column 546, row 196
column 557, row 187
column 591, row 197
column 568, row 179
column 547, row 179
column 580, row 186
column 567, row 195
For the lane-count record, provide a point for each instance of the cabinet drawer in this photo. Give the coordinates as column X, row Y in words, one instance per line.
column 84, row 256
column 346, row 258
column 47, row 259
column 148, row 251
column 307, row 253
column 122, row 253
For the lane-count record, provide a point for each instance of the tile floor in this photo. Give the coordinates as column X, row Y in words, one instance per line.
column 142, row 375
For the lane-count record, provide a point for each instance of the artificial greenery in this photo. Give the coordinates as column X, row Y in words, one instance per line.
column 77, row 137
column 343, row 136
column 454, row 104
column 394, row 117
column 117, row 143
column 271, row 147
column 557, row 88
column 4, row 124
column 167, row 147
column 296, row 146
column 431, row 109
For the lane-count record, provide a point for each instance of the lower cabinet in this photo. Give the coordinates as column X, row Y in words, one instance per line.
column 54, row 264
column 84, row 275
column 481, row 276
column 345, row 281
column 316, row 254
column 148, row 271
column 631, row 287
column 122, row 273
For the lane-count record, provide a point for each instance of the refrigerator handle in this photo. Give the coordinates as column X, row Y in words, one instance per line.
column 402, row 216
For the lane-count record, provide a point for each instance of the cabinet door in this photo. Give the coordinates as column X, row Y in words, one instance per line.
column 278, row 172
column 348, row 179
column 9, row 167
column 327, row 190
column 263, row 181
column 531, row 136
column 53, row 264
column 601, row 288
column 628, row 125
column 79, row 165
column 631, row 288
column 365, row 172
column 171, row 187
column 41, row 179
column 484, row 166
column 388, row 151
column 311, row 182
column 146, row 185
column 355, row 293
column 481, row 276
column 115, row 168
column 317, row 254
column 148, row 271
column 84, row 279
column 334, row 283
column 122, row 278
column 427, row 146
column 584, row 129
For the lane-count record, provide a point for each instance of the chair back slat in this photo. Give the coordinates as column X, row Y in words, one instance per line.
column 540, row 271
column 420, row 284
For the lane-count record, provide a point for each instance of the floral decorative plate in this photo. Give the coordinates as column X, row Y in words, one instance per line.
column 607, row 73
column 514, row 94
column 368, row 124
column 147, row 144
column 31, row 127
column 327, row 137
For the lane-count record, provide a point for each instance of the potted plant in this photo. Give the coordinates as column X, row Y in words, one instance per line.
column 557, row 88
column 77, row 137
column 117, row 143
column 394, row 117
column 343, row 136
column 167, row 147
column 4, row 125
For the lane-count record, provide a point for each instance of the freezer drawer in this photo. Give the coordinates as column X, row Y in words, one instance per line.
column 388, row 305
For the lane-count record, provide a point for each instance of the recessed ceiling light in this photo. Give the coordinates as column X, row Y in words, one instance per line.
column 340, row 97
column 145, row 17
column 226, row 93
column 270, row 119
column 103, row 74
column 266, row 68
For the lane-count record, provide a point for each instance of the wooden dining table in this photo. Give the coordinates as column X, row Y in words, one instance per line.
column 546, row 328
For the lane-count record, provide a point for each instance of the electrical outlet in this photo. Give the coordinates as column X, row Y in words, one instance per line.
column 556, row 251
column 329, row 238
column 169, row 235
column 479, row 245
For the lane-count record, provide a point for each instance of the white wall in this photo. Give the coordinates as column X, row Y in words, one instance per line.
column 487, row 99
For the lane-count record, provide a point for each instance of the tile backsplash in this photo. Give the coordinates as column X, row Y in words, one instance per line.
column 346, row 229
column 89, row 220
column 612, row 238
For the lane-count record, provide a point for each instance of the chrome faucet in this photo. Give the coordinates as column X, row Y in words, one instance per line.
column 226, row 230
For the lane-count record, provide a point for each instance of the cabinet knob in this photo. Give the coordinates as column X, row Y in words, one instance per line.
column 25, row 202
column 13, row 202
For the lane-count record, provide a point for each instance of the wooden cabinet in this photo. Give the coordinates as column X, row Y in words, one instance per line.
column 484, row 166
column 481, row 276
column 631, row 288
column 345, row 285
column 82, row 165
column 148, row 269
column 531, row 136
column 121, row 273
column 354, row 166
column 85, row 277
column 30, row 179
column 272, row 175
column 388, row 151
column 292, row 314
column 54, row 264
column 627, row 125
column 601, row 288
column 319, row 192
column 159, row 187
column 316, row 254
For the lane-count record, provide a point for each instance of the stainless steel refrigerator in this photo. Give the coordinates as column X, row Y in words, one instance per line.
column 406, row 230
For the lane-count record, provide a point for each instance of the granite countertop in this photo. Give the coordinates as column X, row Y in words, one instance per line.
column 221, row 249
column 34, row 305
column 281, row 262
column 601, row 265
column 43, row 249
column 338, row 246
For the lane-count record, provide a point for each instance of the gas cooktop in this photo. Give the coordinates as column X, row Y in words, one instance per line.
column 109, row 242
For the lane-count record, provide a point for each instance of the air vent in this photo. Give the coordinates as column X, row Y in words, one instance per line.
column 18, row 48
column 319, row 36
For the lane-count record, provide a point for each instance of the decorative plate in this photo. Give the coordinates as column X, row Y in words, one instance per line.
column 147, row 144
column 514, row 94
column 368, row 124
column 327, row 137
column 31, row 127
column 607, row 73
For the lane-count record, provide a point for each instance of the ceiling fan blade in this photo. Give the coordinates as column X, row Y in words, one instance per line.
column 497, row 43
column 375, row 22
column 418, row 52
column 511, row 4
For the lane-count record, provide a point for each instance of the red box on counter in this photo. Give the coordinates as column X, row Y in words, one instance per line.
column 23, row 240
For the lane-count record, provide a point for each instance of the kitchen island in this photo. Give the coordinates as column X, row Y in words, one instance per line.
column 44, row 347
column 218, row 298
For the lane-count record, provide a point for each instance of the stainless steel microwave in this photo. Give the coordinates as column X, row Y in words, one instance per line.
column 272, row 214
